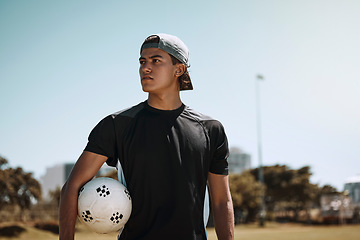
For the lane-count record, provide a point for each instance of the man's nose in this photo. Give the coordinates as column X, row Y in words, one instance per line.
column 146, row 67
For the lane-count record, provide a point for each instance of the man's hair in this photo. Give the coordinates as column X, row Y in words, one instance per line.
column 184, row 79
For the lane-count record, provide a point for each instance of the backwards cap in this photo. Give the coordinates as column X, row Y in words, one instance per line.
column 170, row 44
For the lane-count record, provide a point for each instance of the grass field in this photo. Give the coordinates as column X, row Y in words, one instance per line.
column 272, row 231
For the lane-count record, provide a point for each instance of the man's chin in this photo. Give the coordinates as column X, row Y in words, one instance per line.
column 146, row 89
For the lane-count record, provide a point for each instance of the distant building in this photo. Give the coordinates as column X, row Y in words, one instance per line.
column 238, row 161
column 352, row 186
column 56, row 176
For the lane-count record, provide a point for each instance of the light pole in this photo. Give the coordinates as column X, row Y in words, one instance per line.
column 260, row 172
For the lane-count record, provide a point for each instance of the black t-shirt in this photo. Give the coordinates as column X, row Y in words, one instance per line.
column 166, row 157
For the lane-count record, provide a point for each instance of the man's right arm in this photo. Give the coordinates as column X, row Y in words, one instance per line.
column 222, row 206
column 84, row 170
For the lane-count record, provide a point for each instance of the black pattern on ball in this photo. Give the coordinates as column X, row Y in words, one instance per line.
column 103, row 191
column 127, row 193
column 86, row 216
column 116, row 217
column 81, row 189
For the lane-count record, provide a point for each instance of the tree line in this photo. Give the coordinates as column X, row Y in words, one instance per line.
column 283, row 188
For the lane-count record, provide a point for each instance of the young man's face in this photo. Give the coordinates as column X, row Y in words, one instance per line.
column 157, row 72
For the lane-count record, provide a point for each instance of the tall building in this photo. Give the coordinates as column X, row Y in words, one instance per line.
column 238, row 161
column 352, row 186
column 55, row 177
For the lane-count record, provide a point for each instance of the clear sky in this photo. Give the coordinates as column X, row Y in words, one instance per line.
column 64, row 65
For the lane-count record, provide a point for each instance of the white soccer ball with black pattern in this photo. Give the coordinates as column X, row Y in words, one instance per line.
column 104, row 205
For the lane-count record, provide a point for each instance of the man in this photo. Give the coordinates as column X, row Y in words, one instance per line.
column 168, row 154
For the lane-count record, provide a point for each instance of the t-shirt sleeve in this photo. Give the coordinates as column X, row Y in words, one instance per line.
column 220, row 149
column 102, row 140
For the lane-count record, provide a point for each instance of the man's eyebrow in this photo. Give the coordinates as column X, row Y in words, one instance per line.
column 155, row 56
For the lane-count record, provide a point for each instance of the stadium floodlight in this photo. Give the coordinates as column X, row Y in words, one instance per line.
column 262, row 213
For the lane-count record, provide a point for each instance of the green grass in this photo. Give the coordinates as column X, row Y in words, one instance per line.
column 272, row 231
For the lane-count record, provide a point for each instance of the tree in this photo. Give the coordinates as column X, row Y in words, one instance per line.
column 26, row 188
column 245, row 193
column 17, row 187
column 288, row 188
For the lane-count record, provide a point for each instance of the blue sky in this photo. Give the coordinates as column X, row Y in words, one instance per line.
column 64, row 65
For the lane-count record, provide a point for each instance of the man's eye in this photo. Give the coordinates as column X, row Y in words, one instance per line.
column 156, row 60
column 141, row 62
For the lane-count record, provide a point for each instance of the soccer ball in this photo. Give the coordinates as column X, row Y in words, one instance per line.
column 104, row 205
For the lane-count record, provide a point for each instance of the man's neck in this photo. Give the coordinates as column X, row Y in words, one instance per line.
column 164, row 102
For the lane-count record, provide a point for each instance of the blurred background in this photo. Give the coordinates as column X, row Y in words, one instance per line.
column 282, row 76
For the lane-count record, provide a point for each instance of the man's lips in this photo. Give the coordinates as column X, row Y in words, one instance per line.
column 146, row 77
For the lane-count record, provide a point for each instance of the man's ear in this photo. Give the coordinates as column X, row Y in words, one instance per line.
column 180, row 69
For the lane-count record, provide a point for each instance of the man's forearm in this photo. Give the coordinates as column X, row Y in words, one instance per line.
column 68, row 214
column 224, row 221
